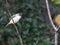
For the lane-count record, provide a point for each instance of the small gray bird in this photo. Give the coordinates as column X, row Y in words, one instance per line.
column 15, row 18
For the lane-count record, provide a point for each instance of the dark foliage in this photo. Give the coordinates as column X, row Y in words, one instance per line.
column 33, row 26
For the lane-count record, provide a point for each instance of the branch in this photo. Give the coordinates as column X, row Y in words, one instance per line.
column 49, row 15
column 55, row 28
column 16, row 30
column 20, row 39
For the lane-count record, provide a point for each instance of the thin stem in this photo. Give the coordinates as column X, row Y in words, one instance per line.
column 16, row 30
column 56, row 38
column 54, row 27
column 20, row 39
column 49, row 15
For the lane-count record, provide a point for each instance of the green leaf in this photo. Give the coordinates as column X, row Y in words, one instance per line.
column 56, row 1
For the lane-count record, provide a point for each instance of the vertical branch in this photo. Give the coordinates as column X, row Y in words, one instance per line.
column 20, row 39
column 55, row 28
column 16, row 30
column 56, row 38
column 49, row 15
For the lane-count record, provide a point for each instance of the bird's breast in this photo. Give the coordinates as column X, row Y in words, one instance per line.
column 16, row 19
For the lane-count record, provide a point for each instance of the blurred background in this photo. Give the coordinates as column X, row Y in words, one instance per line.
column 34, row 26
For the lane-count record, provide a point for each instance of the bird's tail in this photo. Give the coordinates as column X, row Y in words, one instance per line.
column 7, row 24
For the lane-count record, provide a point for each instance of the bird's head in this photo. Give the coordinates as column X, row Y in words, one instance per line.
column 19, row 12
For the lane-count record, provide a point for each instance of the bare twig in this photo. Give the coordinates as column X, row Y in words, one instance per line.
column 17, row 30
column 56, row 38
column 20, row 39
column 49, row 15
column 55, row 28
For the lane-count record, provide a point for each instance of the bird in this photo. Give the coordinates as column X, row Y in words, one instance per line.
column 57, row 19
column 15, row 18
